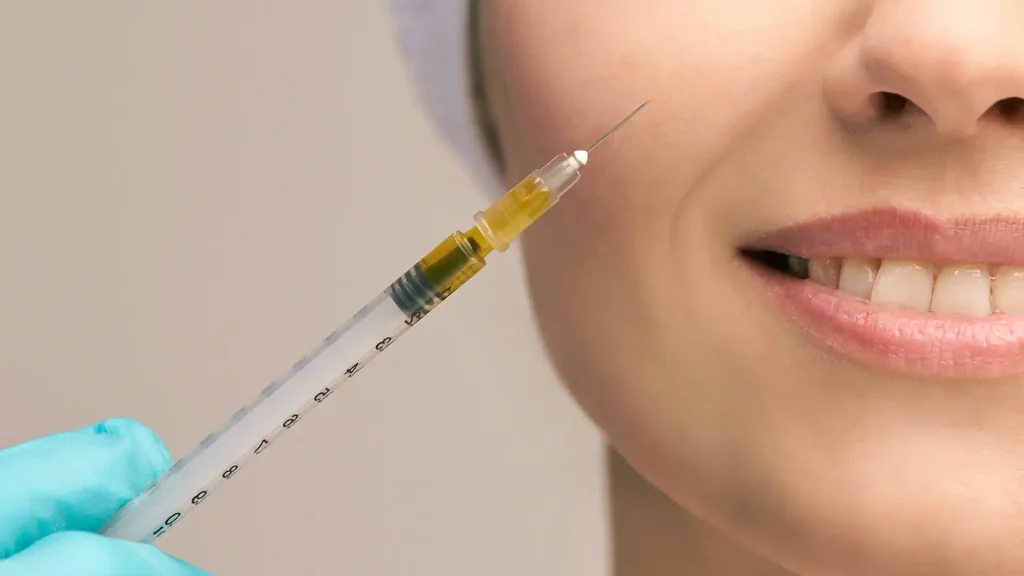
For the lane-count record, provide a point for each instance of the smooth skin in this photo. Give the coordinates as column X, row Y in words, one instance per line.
column 56, row 492
column 746, row 448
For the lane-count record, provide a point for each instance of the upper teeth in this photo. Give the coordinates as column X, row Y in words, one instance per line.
column 965, row 289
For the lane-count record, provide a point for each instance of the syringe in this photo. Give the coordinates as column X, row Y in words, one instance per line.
column 218, row 458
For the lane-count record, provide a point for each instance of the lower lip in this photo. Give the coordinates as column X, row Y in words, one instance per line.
column 907, row 342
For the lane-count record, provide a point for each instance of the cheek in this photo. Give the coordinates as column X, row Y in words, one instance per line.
column 629, row 256
column 567, row 71
column 563, row 73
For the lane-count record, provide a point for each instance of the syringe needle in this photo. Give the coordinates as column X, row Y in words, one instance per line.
column 617, row 126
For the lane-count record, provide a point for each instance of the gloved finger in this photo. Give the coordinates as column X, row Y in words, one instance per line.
column 87, row 554
column 75, row 480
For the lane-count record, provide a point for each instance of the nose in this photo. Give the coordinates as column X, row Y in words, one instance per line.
column 958, row 62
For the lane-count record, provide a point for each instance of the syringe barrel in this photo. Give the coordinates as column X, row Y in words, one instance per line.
column 257, row 426
column 310, row 381
column 341, row 355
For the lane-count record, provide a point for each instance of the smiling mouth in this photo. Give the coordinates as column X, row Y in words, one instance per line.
column 972, row 290
column 901, row 291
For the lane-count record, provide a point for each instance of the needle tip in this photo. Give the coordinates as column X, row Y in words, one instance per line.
column 619, row 125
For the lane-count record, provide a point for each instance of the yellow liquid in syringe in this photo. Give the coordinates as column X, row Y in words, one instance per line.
column 460, row 256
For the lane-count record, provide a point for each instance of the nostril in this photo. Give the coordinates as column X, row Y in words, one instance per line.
column 1010, row 108
column 890, row 105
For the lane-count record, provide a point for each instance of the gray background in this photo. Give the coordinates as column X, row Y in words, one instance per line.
column 193, row 194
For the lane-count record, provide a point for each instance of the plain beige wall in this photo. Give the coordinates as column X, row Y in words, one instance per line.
column 192, row 194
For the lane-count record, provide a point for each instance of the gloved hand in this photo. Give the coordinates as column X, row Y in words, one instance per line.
column 57, row 491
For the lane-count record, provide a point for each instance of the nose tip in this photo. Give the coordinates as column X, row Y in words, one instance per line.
column 923, row 60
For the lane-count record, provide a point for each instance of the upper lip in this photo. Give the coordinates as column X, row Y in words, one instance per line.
column 894, row 234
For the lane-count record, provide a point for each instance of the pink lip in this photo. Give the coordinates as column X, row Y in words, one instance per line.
column 897, row 235
column 922, row 344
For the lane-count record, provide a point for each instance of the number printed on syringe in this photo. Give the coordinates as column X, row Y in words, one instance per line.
column 381, row 345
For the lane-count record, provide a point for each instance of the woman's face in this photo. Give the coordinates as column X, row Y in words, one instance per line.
column 858, row 409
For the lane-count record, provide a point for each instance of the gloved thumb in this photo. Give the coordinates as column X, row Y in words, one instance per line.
column 86, row 554
column 74, row 481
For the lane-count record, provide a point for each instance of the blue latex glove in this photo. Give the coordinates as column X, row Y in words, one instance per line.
column 56, row 491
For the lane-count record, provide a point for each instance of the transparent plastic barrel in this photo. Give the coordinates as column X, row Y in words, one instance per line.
column 280, row 406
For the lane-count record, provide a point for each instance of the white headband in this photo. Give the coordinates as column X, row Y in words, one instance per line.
column 434, row 37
